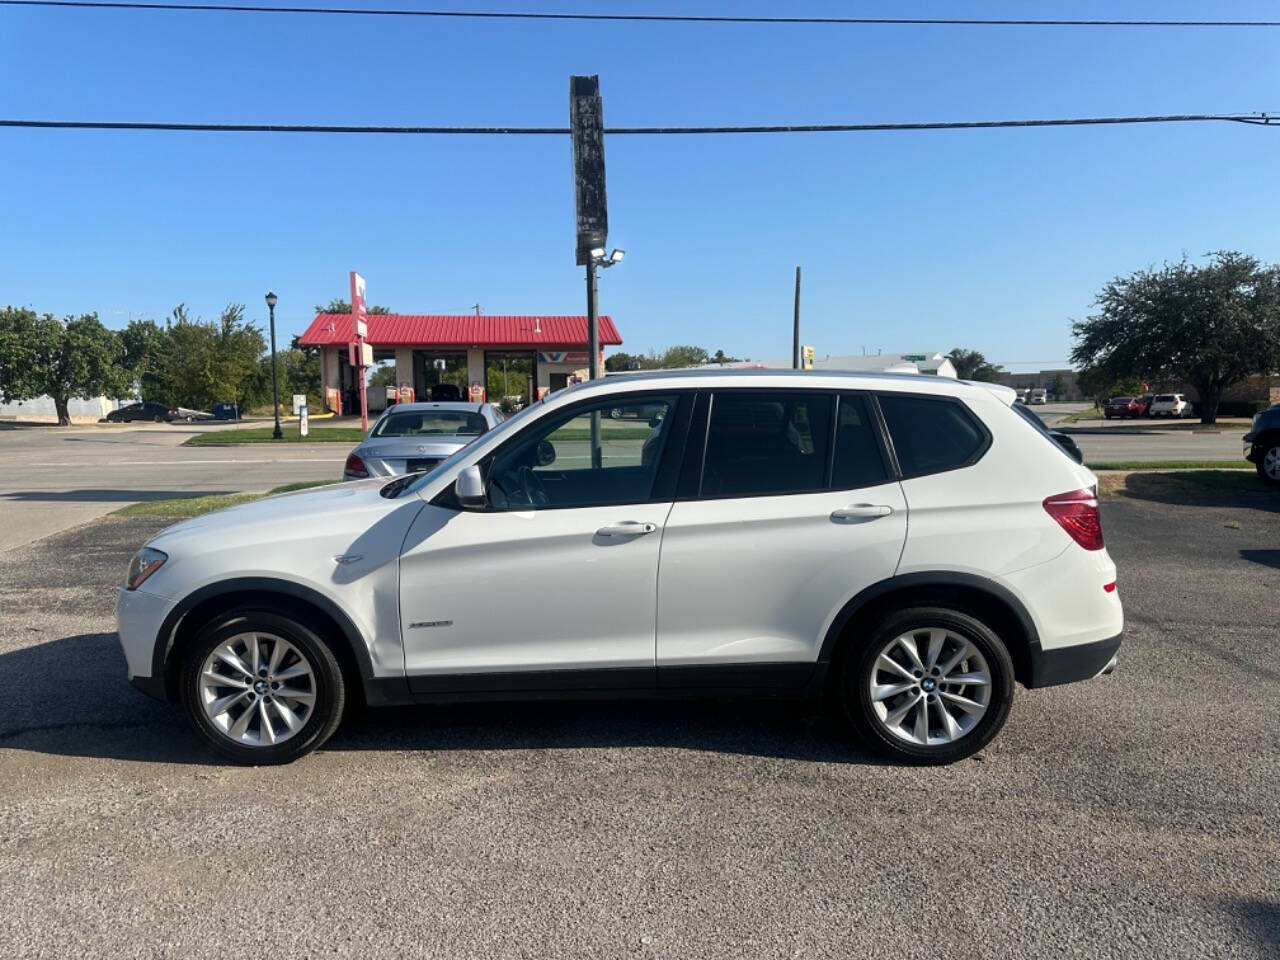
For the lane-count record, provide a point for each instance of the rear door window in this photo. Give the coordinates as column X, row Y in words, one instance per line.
column 766, row 442
column 932, row 434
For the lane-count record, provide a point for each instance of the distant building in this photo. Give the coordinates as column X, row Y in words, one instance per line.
column 934, row 364
column 43, row 409
column 433, row 349
column 1048, row 379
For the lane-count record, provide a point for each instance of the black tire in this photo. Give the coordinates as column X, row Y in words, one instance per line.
column 330, row 688
column 1270, row 448
column 159, row 419
column 858, row 666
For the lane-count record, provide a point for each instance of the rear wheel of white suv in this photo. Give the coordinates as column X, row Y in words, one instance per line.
column 928, row 685
column 261, row 688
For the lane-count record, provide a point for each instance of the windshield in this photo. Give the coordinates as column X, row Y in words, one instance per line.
column 430, row 423
column 421, row 480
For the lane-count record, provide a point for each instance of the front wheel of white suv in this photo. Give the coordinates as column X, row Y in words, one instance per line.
column 261, row 688
column 928, row 685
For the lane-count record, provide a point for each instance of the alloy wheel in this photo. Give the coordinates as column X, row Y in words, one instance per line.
column 1271, row 463
column 930, row 686
column 257, row 689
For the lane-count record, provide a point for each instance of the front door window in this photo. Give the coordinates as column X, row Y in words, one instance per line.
column 556, row 464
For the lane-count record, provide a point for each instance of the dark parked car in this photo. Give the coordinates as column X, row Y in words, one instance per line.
column 1262, row 444
column 156, row 412
column 446, row 393
column 1122, row 407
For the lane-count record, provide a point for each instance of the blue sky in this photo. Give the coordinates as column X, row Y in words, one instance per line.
column 990, row 240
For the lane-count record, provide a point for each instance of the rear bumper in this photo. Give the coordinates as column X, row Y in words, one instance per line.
column 1081, row 661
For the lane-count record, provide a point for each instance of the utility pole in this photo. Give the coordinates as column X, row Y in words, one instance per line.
column 795, row 328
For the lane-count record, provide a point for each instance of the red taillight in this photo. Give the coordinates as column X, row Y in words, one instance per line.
column 1077, row 513
column 1109, row 587
column 355, row 467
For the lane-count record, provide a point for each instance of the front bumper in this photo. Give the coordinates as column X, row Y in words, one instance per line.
column 1080, row 661
column 139, row 617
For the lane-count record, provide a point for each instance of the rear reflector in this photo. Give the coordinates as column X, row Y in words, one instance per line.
column 1077, row 513
column 355, row 467
column 1109, row 587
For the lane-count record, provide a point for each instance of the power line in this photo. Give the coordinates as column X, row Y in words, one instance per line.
column 1258, row 119
column 631, row 17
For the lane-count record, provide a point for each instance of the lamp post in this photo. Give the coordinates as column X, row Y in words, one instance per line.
column 275, row 377
column 596, row 259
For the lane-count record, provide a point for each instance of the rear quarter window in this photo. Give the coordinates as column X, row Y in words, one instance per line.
column 932, row 434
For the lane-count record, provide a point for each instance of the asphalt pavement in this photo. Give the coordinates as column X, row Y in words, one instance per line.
column 1135, row 815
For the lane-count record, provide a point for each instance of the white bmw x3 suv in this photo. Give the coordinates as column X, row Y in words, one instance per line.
column 903, row 548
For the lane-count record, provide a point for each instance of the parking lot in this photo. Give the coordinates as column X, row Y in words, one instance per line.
column 1134, row 815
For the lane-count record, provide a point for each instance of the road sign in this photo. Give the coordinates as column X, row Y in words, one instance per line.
column 806, row 358
column 586, row 124
column 304, row 423
column 914, row 357
column 362, row 329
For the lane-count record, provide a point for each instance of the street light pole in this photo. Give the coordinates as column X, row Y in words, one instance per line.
column 593, row 324
column 275, row 376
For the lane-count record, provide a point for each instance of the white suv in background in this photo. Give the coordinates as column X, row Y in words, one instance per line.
column 1169, row 405
column 905, row 548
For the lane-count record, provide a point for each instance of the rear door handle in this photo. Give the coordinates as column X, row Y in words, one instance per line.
column 626, row 528
column 857, row 512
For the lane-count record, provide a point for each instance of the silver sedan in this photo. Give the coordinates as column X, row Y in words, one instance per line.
column 414, row 437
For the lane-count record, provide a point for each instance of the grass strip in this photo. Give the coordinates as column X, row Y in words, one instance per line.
column 182, row 508
column 217, row 438
column 1241, row 464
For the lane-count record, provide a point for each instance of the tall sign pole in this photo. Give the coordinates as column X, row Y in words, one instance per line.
column 360, row 324
column 586, row 123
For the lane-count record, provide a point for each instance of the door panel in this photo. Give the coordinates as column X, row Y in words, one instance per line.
column 530, row 589
column 759, row 579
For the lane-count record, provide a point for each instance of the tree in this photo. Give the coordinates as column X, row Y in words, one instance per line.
column 628, row 361
column 384, row 376
column 75, row 357
column 1210, row 326
column 683, row 356
column 200, row 363
column 972, row 365
column 721, row 359
column 337, row 305
column 1058, row 386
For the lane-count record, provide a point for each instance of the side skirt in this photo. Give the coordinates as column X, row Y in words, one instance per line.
column 745, row 681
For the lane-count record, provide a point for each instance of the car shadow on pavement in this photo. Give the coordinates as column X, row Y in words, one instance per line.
column 1268, row 558
column 762, row 728
column 69, row 697
column 1260, row 920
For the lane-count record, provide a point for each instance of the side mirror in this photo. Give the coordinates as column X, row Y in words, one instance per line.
column 546, row 453
column 469, row 489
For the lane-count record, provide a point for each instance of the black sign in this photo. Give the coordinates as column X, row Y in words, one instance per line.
column 586, row 121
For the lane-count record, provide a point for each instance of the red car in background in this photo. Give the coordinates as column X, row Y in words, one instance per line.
column 1123, row 407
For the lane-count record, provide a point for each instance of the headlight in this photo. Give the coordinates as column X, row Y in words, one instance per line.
column 144, row 563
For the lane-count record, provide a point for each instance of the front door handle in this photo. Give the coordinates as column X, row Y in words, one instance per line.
column 858, row 512
column 626, row 528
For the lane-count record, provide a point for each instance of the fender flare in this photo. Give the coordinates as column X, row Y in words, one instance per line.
column 169, row 628
column 939, row 578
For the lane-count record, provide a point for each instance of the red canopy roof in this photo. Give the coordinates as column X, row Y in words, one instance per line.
column 415, row 329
